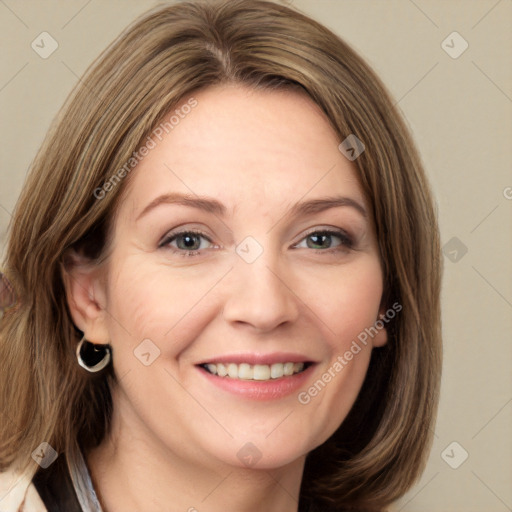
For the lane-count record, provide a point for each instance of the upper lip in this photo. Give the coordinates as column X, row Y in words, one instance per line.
column 256, row 358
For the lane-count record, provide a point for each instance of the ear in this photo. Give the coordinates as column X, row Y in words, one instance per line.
column 381, row 338
column 86, row 296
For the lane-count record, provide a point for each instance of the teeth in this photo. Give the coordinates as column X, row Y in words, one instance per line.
column 246, row 371
column 288, row 368
column 261, row 372
column 277, row 370
column 222, row 370
column 233, row 370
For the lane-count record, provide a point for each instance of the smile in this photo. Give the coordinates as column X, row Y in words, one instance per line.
column 258, row 372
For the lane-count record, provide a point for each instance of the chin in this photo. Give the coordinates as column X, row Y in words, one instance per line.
column 262, row 453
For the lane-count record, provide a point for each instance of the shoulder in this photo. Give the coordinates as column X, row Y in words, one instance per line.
column 18, row 494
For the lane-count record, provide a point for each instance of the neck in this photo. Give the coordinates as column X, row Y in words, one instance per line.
column 133, row 470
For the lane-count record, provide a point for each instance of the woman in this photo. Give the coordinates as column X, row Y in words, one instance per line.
column 226, row 266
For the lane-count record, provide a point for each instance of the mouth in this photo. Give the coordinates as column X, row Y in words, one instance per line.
column 256, row 376
column 255, row 372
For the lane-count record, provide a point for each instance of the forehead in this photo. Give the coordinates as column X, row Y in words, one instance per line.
column 243, row 145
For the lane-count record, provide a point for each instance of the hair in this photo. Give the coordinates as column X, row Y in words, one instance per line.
column 172, row 52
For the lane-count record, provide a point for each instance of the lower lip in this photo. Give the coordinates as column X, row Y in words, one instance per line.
column 272, row 389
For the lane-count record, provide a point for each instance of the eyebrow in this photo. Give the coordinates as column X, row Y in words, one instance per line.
column 201, row 203
column 211, row 205
column 325, row 203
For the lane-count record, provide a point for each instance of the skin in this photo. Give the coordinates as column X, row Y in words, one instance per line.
column 175, row 437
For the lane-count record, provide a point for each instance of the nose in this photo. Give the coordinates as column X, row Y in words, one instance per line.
column 260, row 295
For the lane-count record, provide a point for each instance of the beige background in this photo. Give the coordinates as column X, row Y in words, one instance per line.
column 460, row 113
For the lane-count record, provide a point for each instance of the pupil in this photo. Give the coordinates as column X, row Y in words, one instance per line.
column 190, row 241
column 317, row 240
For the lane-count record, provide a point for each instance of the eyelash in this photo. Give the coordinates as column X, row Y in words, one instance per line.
column 346, row 241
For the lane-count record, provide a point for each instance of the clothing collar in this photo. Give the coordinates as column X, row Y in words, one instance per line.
column 82, row 482
column 66, row 485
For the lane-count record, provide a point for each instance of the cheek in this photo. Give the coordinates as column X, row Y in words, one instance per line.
column 152, row 302
column 133, row 300
column 347, row 310
column 348, row 302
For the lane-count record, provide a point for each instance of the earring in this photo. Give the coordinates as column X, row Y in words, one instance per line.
column 93, row 357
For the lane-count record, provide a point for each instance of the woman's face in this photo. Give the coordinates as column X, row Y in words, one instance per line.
column 244, row 243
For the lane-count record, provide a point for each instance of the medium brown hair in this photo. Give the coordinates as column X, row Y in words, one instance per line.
column 160, row 61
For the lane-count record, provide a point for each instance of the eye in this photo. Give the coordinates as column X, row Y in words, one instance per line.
column 326, row 240
column 191, row 243
column 187, row 243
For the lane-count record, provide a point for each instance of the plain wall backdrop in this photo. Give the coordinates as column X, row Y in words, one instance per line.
column 457, row 101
